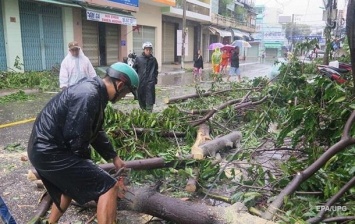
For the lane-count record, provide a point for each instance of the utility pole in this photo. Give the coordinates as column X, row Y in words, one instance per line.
column 183, row 34
column 330, row 7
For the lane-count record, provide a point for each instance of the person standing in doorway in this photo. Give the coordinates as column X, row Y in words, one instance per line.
column 234, row 70
column 75, row 67
column 198, row 66
column 146, row 66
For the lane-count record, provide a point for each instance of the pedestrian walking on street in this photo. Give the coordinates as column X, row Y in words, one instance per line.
column 234, row 69
column 59, row 146
column 225, row 61
column 74, row 67
column 216, row 62
column 146, row 66
column 198, row 66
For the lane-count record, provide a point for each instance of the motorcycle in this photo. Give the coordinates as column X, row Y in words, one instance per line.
column 335, row 74
column 130, row 59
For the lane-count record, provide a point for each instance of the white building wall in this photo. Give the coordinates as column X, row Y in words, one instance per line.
column 12, row 32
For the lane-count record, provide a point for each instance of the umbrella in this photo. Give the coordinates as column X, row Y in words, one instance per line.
column 227, row 47
column 241, row 43
column 215, row 45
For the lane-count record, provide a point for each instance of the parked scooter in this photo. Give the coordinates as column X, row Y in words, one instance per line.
column 338, row 75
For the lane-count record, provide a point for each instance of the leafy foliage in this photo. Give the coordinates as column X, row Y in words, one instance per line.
column 18, row 96
column 42, row 80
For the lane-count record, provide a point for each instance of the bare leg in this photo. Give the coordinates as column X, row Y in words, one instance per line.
column 55, row 212
column 239, row 78
column 107, row 206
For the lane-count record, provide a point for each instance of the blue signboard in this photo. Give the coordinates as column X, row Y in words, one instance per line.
column 127, row 2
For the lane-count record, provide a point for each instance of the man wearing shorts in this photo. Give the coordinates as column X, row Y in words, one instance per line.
column 59, row 146
column 234, row 69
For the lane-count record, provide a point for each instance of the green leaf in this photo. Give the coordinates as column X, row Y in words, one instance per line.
column 340, row 99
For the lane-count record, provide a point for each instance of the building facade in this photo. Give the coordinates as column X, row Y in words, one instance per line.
column 269, row 31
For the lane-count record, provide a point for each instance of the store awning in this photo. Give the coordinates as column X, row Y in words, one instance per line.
column 222, row 33
column 110, row 16
column 241, row 34
column 62, row 3
column 272, row 45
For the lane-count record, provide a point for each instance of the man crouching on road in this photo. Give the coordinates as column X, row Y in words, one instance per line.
column 59, row 144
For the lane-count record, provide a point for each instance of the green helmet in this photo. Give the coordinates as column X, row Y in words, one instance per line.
column 126, row 74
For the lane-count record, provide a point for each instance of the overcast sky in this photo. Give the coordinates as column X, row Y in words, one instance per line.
column 310, row 9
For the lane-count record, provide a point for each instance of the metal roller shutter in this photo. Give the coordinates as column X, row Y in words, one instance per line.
column 271, row 53
column 253, row 52
column 168, row 42
column 141, row 35
column 2, row 44
column 112, row 43
column 190, row 50
column 91, row 41
column 42, row 35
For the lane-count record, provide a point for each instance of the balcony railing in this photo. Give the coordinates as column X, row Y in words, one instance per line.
column 231, row 22
column 250, row 3
column 196, row 8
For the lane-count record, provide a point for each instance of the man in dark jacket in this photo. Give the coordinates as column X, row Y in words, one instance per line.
column 234, row 69
column 146, row 66
column 62, row 133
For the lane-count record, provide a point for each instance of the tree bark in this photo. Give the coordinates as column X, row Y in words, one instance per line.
column 203, row 136
column 148, row 201
column 210, row 148
column 191, row 185
column 141, row 164
column 346, row 140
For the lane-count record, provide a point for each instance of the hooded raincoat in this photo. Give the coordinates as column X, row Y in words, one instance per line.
column 216, row 60
column 147, row 69
column 59, row 144
column 216, row 56
column 73, row 69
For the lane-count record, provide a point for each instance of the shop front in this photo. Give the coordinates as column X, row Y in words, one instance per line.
column 101, row 32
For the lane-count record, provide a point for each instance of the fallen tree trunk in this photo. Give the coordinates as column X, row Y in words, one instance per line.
column 141, row 164
column 149, row 201
column 191, row 185
column 210, row 148
column 345, row 141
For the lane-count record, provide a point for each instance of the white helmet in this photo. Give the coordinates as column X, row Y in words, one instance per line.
column 146, row 45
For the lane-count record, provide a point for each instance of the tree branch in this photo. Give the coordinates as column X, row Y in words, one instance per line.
column 313, row 168
column 339, row 219
column 332, row 200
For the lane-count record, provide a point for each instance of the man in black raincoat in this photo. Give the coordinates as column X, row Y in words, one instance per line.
column 62, row 133
column 146, row 66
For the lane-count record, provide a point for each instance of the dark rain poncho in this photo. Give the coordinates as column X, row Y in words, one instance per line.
column 59, row 144
column 147, row 69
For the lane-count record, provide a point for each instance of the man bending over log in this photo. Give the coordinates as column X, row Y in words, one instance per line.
column 59, row 144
